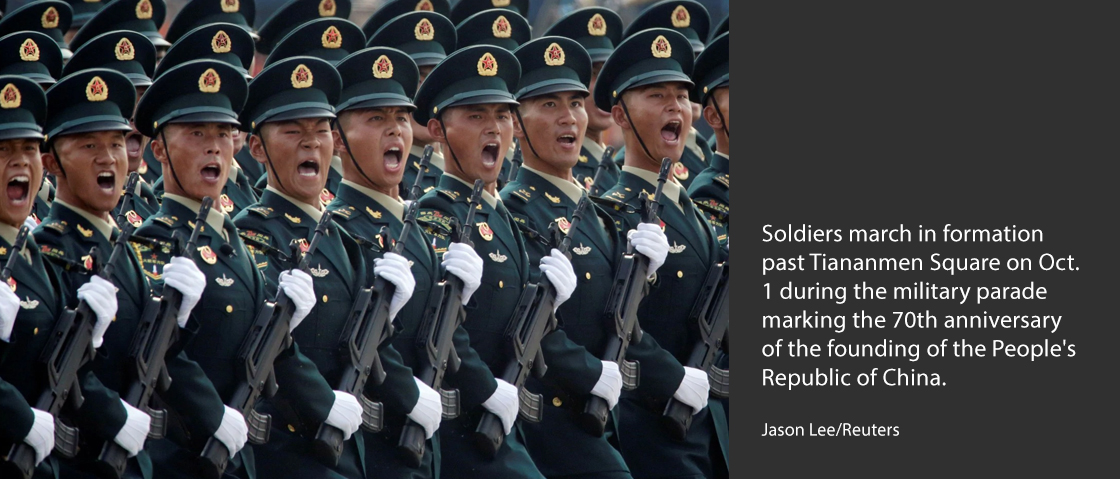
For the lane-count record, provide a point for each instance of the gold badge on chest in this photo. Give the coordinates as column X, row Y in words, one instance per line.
column 225, row 203
column 485, row 232
column 134, row 218
column 207, row 255
column 563, row 224
column 325, row 197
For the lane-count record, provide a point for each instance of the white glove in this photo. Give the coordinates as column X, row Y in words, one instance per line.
column 560, row 273
column 394, row 268
column 463, row 262
column 346, row 414
column 31, row 223
column 298, row 287
column 233, row 432
column 503, row 403
column 428, row 411
column 609, row 386
column 41, row 437
column 135, row 431
column 693, row 390
column 9, row 307
column 101, row 296
column 183, row 275
column 650, row 241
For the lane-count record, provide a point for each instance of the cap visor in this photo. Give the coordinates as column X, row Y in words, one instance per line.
column 101, row 125
column 483, row 100
column 667, row 76
column 206, row 117
column 555, row 88
column 425, row 59
column 139, row 80
column 300, row 113
column 378, row 103
column 20, row 133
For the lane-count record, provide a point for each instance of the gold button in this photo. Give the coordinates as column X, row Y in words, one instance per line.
column 291, row 428
column 680, row 274
column 229, row 309
column 588, row 275
column 324, row 298
column 36, row 331
column 501, row 284
column 557, row 402
column 114, row 319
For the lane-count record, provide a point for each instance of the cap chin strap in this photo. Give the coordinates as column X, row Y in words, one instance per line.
column 170, row 164
column 448, row 141
column 57, row 159
column 636, row 135
column 526, row 132
column 350, row 151
column 271, row 167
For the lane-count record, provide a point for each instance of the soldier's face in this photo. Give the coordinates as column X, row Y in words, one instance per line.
column 555, row 125
column 597, row 119
column 301, row 153
column 479, row 136
column 660, row 114
column 23, row 171
column 201, row 154
column 380, row 138
column 91, row 169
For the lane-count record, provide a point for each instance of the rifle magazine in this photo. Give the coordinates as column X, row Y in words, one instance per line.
column 631, row 373
column 159, row 423
column 373, row 417
column 259, row 425
column 65, row 439
column 530, row 405
column 449, row 399
column 720, row 382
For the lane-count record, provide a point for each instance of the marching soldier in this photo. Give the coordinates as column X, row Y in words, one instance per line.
column 690, row 19
column 289, row 110
column 427, row 37
column 598, row 30
column 467, row 106
column 189, row 112
column 133, row 55
column 373, row 134
column 551, row 119
column 288, row 17
column 646, row 84
column 712, row 189
column 197, row 13
column 142, row 16
column 30, row 301
column 50, row 17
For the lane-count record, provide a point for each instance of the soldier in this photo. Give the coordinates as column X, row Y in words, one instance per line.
column 645, row 83
column 189, row 113
column 465, row 8
column 50, row 17
column 289, row 110
column 141, row 16
column 690, row 19
column 395, row 8
column 373, row 119
column 33, row 55
column 133, row 55
column 197, row 13
column 233, row 45
column 550, row 122
column 30, row 301
column 712, row 189
column 427, row 37
column 598, row 30
column 288, row 17
column 467, row 106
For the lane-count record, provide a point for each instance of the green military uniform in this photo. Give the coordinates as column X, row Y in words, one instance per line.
column 427, row 37
column 50, row 17
column 338, row 269
column 237, row 194
column 650, row 57
column 141, row 16
column 506, row 265
column 598, row 30
column 693, row 161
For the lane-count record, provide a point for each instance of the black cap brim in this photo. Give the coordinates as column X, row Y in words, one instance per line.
column 558, row 87
column 206, row 117
column 94, row 125
column 299, row 114
column 19, row 133
column 481, row 100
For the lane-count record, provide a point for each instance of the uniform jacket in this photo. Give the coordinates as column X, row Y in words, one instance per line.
column 431, row 175
column 711, row 191
column 590, row 156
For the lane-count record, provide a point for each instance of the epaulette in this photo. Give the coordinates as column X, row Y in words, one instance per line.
column 522, row 194
column 261, row 210
column 724, row 179
column 55, row 225
column 451, row 194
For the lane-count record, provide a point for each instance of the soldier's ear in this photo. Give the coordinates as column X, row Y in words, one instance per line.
column 256, row 148
column 619, row 117
column 518, row 128
column 50, row 162
column 712, row 118
column 435, row 130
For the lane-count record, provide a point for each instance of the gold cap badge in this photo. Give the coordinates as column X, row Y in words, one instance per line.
column 301, row 77
column 231, row 6
column 425, row 6
column 209, row 81
column 425, row 32
column 500, row 3
column 661, row 47
column 144, row 10
column 383, row 68
column 487, row 65
column 554, row 55
column 681, row 18
column 50, row 18
column 501, row 27
column 97, row 90
column 10, row 97
column 597, row 26
column 29, row 51
column 332, row 38
column 221, row 43
column 327, row 8
column 124, row 50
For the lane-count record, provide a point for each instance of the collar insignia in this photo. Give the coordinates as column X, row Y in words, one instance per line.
column 677, row 248
column 554, row 199
column 375, row 214
column 319, row 271
column 231, row 6
column 583, row 158
column 597, row 26
column 50, row 18
column 210, row 82
column 293, row 219
column 327, row 8
column 681, row 18
column 85, row 232
column 124, row 50
column 97, row 90
column 144, row 10
column 302, row 77
column 485, row 231
column 554, row 55
column 498, row 257
column 29, row 51
column 10, row 97
column 224, row 281
column 332, row 38
column 581, row 250
column 383, row 68
column 221, row 43
column 207, row 255
column 502, row 28
column 424, row 31
column 661, row 47
column 134, row 218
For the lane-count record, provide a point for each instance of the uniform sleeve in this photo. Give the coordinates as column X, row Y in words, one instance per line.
column 17, row 415
column 660, row 373
column 398, row 393
column 570, row 365
column 102, row 415
column 193, row 398
column 474, row 380
column 313, row 398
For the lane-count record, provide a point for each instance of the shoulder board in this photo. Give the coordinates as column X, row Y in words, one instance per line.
column 451, row 194
column 261, row 210
column 724, row 179
column 522, row 194
column 55, row 225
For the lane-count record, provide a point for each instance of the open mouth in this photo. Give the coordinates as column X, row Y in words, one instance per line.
column 308, row 168
column 393, row 158
column 567, row 141
column 106, row 180
column 671, row 132
column 132, row 144
column 490, row 154
column 18, row 189
column 211, row 173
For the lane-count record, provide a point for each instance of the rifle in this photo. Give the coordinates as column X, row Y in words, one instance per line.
column 268, row 337
column 68, row 350
column 366, row 329
column 630, row 287
column 711, row 311
column 158, row 330
column 17, row 249
column 515, row 163
column 604, row 163
column 435, row 340
column 533, row 319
